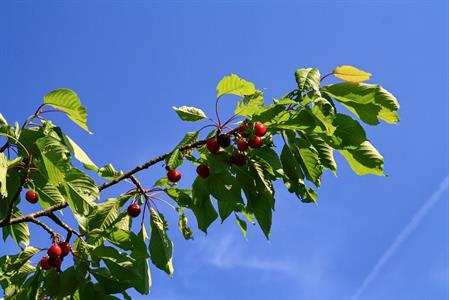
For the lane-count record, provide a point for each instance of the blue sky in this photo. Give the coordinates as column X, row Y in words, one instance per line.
column 130, row 61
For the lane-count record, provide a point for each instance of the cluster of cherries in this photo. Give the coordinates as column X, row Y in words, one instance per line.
column 243, row 138
column 56, row 254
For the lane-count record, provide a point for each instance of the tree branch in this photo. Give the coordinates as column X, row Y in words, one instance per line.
column 28, row 218
column 48, row 211
column 53, row 234
column 149, row 164
column 62, row 224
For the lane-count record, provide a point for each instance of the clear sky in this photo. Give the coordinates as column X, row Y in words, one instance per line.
column 130, row 61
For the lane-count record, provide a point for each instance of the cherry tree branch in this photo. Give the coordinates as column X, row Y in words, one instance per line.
column 53, row 234
column 149, row 164
column 63, row 225
column 30, row 217
column 49, row 211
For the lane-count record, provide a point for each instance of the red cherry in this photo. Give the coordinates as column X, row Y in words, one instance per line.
column 54, row 251
column 44, row 263
column 65, row 247
column 255, row 142
column 242, row 128
column 224, row 140
column 203, row 171
column 242, row 145
column 134, row 210
column 55, row 262
column 212, row 145
column 238, row 159
column 31, row 196
column 260, row 129
column 173, row 175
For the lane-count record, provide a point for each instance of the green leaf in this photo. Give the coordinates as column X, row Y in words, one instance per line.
column 189, row 138
column 48, row 193
column 293, row 174
column 81, row 191
column 9, row 264
column 294, row 177
column 270, row 160
column 202, row 207
column 182, row 197
column 107, row 213
column 127, row 240
column 80, row 155
column 365, row 159
column 347, row 132
column 380, row 104
column 121, row 266
column 309, row 161
column 3, row 121
column 269, row 115
column 325, row 152
column 175, row 159
column 68, row 101
column 143, row 267
column 69, row 282
column 19, row 232
column 3, row 173
column 143, row 286
column 109, row 282
column 235, row 85
column 350, row 73
column 109, row 172
column 308, row 79
column 242, row 225
column 29, row 289
column 163, row 181
column 250, row 105
column 189, row 113
column 260, row 201
column 55, row 159
column 302, row 119
column 226, row 189
column 161, row 247
column 217, row 162
column 183, row 228
column 52, row 282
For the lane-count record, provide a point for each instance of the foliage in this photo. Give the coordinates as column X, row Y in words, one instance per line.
column 307, row 125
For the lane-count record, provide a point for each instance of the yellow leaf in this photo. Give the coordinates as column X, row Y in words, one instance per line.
column 349, row 73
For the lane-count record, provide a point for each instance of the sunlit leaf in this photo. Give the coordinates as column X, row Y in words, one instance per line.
column 350, row 73
column 68, row 101
column 365, row 159
column 235, row 85
column 189, row 113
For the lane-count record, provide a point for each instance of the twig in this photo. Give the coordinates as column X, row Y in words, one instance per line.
column 63, row 225
column 53, row 234
column 153, row 162
column 28, row 218
column 62, row 205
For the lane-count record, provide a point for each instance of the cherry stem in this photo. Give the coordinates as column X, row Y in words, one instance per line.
column 206, row 126
column 231, row 119
column 30, row 118
column 144, row 211
column 325, row 76
column 216, row 111
column 164, row 201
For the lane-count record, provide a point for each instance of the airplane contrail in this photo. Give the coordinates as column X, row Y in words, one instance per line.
column 403, row 235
